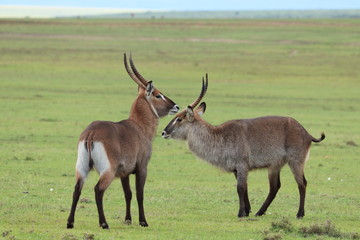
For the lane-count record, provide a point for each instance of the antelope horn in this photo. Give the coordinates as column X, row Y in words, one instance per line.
column 202, row 93
column 131, row 74
column 136, row 72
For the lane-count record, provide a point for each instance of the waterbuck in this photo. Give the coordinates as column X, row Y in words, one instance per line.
column 242, row 145
column 118, row 149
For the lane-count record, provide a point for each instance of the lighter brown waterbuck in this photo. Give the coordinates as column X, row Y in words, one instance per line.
column 118, row 149
column 242, row 145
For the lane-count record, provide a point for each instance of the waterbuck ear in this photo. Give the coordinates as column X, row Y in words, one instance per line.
column 190, row 114
column 201, row 108
column 149, row 89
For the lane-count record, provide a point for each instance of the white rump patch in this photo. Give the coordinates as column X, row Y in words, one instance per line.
column 82, row 163
column 100, row 158
column 98, row 155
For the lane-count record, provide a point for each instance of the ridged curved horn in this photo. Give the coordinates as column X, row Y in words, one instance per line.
column 136, row 72
column 202, row 93
column 131, row 74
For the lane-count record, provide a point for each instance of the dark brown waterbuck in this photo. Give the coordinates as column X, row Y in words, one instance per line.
column 118, row 149
column 242, row 145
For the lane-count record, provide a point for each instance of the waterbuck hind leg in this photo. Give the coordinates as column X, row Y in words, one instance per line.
column 99, row 194
column 103, row 183
column 76, row 196
column 128, row 196
column 298, row 172
column 140, row 183
column 302, row 191
column 275, row 184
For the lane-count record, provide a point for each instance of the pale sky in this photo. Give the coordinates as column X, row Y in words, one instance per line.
column 194, row 4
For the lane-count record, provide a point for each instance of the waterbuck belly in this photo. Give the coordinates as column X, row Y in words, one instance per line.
column 267, row 156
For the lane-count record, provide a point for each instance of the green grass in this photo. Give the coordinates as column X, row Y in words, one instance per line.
column 59, row 75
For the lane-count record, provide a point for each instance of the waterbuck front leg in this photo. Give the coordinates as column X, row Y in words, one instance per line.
column 140, row 183
column 242, row 191
column 246, row 200
column 247, row 203
column 76, row 196
column 103, row 183
column 128, row 196
column 274, row 182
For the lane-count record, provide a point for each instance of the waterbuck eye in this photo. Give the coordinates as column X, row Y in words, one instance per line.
column 158, row 96
column 179, row 119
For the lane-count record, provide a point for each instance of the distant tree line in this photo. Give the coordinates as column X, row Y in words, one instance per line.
column 283, row 14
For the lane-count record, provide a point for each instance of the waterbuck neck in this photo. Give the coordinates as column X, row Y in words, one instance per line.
column 211, row 144
column 142, row 114
column 202, row 138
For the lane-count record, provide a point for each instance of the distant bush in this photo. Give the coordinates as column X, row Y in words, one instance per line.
column 327, row 229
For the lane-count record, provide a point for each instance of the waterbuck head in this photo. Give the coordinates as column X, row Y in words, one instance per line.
column 158, row 102
column 179, row 126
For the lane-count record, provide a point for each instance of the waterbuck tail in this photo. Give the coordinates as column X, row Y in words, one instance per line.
column 318, row 139
column 89, row 146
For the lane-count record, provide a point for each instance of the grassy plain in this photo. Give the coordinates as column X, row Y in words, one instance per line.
column 56, row 76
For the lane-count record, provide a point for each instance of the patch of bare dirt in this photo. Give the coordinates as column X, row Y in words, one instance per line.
column 352, row 143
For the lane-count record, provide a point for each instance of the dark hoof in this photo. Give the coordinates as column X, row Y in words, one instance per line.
column 127, row 222
column 241, row 215
column 70, row 225
column 300, row 214
column 104, row 226
column 143, row 224
column 259, row 214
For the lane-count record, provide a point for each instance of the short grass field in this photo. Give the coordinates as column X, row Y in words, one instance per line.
column 57, row 76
